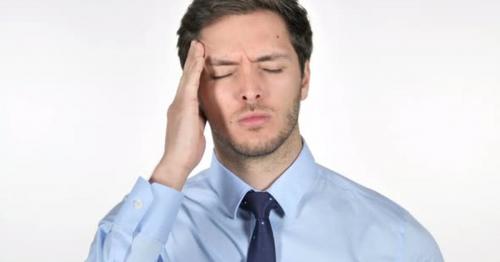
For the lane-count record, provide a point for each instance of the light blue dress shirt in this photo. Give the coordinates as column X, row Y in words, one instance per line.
column 327, row 218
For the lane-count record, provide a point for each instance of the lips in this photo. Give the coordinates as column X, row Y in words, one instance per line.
column 254, row 119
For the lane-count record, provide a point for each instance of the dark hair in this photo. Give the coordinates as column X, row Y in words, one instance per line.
column 203, row 12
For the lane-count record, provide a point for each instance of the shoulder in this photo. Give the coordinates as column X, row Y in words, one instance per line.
column 361, row 198
column 417, row 244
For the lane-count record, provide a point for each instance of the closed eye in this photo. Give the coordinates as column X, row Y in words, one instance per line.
column 274, row 71
column 220, row 77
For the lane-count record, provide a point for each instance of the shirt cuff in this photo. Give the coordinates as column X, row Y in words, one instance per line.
column 134, row 206
column 162, row 213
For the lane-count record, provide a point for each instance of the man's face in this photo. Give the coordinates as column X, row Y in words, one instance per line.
column 251, row 71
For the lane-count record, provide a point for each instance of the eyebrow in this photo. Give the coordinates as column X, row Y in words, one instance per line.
column 214, row 61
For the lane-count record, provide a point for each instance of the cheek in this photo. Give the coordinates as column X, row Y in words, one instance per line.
column 206, row 98
column 284, row 97
column 217, row 102
column 283, row 89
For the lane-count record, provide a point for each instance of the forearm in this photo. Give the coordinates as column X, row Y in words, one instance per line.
column 138, row 227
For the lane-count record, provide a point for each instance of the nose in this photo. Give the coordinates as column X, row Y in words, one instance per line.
column 251, row 90
column 248, row 97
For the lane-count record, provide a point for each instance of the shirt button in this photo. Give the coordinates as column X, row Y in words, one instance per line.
column 137, row 204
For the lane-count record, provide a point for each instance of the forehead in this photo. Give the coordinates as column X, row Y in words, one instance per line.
column 251, row 35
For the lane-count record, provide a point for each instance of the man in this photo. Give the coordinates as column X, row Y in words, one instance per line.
column 245, row 71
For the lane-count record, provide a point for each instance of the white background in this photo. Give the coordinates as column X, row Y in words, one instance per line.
column 404, row 99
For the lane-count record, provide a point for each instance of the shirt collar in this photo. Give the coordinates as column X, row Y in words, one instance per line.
column 288, row 189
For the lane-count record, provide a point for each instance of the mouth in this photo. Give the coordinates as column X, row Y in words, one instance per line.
column 254, row 120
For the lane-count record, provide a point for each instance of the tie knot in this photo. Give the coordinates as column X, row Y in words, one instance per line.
column 260, row 204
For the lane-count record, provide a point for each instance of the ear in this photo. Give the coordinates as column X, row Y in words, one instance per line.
column 304, row 85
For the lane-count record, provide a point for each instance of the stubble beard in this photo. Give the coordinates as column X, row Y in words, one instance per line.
column 244, row 150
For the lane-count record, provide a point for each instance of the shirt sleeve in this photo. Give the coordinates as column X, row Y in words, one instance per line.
column 138, row 227
column 418, row 243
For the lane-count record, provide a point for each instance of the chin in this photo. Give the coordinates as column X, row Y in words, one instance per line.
column 256, row 144
column 261, row 148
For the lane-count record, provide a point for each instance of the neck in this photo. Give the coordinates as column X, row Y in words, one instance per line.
column 260, row 172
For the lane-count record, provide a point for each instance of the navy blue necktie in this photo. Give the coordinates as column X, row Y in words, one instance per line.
column 261, row 247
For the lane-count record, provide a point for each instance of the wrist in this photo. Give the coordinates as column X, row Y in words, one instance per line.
column 169, row 175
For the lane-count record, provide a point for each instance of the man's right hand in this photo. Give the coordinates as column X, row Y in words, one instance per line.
column 185, row 141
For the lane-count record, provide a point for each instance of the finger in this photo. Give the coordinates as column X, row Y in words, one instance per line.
column 191, row 54
column 193, row 68
column 187, row 64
